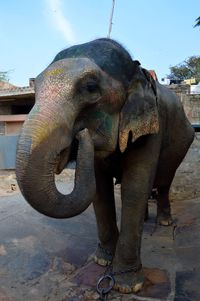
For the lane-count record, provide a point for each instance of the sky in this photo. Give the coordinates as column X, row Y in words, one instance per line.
column 158, row 33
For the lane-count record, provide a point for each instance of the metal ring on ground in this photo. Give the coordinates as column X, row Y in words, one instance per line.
column 106, row 290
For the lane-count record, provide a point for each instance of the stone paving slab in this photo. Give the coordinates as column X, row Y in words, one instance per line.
column 187, row 286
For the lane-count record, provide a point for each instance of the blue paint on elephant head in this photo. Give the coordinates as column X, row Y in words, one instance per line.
column 103, row 121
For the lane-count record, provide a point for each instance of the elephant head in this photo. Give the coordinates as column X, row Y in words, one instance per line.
column 94, row 86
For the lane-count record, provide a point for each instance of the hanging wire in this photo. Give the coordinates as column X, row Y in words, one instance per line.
column 111, row 18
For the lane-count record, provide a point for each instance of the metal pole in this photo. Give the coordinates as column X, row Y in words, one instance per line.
column 111, row 18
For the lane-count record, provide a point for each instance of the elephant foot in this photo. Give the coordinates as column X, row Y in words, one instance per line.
column 130, row 282
column 103, row 256
column 164, row 219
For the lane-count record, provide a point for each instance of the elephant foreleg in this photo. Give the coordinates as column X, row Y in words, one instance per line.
column 104, row 206
column 137, row 181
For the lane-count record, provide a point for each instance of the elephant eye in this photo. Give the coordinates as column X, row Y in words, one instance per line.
column 88, row 84
column 92, row 87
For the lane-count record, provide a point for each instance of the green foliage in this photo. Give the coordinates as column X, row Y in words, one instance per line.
column 197, row 22
column 187, row 69
column 4, row 76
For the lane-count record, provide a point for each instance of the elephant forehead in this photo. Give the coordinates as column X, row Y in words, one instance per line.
column 60, row 76
column 72, row 67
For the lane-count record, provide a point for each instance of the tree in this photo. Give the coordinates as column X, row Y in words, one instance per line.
column 4, row 76
column 187, row 69
column 197, row 22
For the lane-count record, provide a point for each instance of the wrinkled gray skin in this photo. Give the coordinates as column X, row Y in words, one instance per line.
column 126, row 126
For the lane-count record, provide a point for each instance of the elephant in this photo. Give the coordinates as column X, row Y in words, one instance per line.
column 97, row 105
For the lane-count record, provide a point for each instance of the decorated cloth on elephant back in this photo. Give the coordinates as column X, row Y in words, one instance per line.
column 97, row 105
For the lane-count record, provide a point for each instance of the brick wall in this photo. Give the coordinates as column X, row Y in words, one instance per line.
column 11, row 124
column 191, row 102
column 180, row 89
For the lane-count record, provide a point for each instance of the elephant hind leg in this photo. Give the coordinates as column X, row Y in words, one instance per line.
column 164, row 177
column 164, row 217
column 166, row 170
column 170, row 159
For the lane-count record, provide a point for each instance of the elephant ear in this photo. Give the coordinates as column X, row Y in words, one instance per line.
column 139, row 115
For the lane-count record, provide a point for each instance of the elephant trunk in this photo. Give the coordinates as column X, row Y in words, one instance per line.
column 36, row 162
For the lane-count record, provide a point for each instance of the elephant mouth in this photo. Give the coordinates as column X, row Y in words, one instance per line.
column 65, row 156
column 61, row 160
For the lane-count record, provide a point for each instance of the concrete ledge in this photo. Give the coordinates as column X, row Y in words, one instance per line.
column 13, row 118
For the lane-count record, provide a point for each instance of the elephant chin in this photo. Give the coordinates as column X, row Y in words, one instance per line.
column 35, row 171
